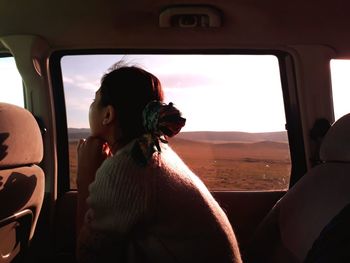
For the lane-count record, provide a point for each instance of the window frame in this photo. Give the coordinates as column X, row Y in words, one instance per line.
column 289, row 92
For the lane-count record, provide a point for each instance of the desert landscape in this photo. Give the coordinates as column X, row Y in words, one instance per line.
column 223, row 160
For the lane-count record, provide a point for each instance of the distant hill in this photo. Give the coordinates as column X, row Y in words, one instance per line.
column 205, row 136
column 78, row 130
column 179, row 142
column 77, row 133
column 244, row 151
column 222, row 137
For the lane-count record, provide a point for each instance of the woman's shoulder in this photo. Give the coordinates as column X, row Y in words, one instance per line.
column 123, row 160
column 119, row 169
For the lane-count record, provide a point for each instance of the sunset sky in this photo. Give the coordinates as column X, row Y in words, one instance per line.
column 340, row 70
column 214, row 92
column 218, row 93
column 11, row 88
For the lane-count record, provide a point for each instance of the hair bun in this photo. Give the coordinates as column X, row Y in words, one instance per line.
column 162, row 119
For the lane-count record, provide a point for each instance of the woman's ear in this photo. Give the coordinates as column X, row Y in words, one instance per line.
column 109, row 115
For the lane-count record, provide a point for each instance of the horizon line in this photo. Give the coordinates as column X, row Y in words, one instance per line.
column 203, row 130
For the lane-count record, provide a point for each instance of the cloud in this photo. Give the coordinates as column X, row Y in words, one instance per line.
column 77, row 103
column 81, row 82
column 88, row 85
column 186, row 81
column 67, row 80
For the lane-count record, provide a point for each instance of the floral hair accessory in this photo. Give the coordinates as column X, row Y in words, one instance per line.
column 160, row 120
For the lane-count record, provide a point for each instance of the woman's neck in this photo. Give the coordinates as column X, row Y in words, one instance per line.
column 116, row 145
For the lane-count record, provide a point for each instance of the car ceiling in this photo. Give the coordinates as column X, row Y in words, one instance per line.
column 108, row 24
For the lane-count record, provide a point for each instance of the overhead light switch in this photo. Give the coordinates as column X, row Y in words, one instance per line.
column 190, row 17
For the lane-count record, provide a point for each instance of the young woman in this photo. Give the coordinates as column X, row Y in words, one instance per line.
column 137, row 200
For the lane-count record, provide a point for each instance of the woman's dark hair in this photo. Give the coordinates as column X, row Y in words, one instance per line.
column 129, row 89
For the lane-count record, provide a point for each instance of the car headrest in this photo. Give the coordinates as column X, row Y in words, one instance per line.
column 20, row 137
column 335, row 145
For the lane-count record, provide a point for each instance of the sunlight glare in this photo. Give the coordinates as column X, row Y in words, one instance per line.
column 214, row 92
column 340, row 72
column 11, row 82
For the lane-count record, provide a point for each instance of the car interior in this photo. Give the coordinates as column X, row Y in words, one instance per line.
column 290, row 208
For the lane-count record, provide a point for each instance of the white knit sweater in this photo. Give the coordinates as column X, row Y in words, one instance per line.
column 158, row 213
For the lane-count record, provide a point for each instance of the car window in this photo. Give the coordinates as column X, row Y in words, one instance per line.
column 11, row 85
column 340, row 74
column 234, row 138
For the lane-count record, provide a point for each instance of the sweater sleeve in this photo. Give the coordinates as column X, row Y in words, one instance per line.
column 120, row 197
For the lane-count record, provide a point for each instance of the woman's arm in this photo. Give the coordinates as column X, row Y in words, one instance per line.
column 119, row 199
column 91, row 153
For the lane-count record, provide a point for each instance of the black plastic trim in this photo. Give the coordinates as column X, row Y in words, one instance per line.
column 293, row 119
column 63, row 182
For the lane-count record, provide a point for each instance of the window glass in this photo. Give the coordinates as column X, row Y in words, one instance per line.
column 234, row 138
column 340, row 69
column 11, row 88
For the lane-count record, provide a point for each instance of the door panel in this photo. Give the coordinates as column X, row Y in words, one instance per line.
column 246, row 210
column 65, row 226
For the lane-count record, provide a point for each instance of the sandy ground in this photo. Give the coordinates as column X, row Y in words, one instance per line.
column 228, row 166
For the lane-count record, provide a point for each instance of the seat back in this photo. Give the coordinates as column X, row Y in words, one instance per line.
column 22, row 182
column 290, row 229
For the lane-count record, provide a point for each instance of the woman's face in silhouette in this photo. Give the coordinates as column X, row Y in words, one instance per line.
column 96, row 115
